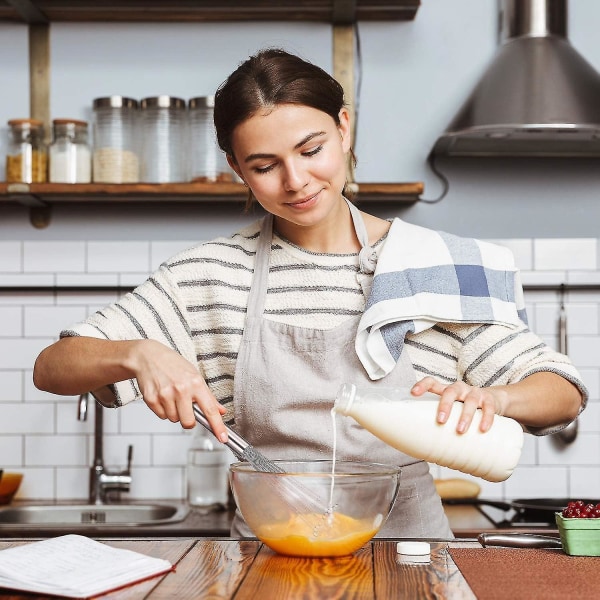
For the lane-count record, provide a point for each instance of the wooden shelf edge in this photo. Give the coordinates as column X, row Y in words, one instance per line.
column 60, row 193
column 36, row 11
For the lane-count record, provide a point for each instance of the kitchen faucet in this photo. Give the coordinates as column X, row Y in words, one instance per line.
column 103, row 481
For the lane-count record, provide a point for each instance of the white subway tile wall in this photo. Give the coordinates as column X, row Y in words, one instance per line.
column 11, row 257
column 41, row 436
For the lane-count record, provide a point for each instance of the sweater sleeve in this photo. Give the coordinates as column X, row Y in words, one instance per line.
column 153, row 310
column 486, row 355
column 496, row 355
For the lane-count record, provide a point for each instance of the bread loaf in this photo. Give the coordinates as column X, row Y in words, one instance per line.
column 455, row 488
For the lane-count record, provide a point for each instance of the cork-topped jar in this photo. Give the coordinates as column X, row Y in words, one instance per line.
column 27, row 155
column 69, row 153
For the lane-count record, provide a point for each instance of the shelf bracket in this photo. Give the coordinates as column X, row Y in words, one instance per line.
column 344, row 12
column 28, row 11
column 343, row 19
column 39, row 216
column 39, row 74
column 39, row 211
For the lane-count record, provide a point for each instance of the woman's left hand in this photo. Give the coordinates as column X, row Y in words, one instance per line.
column 489, row 400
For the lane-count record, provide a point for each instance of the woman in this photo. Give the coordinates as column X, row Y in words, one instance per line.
column 260, row 328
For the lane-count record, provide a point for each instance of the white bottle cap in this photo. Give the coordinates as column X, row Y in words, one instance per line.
column 413, row 548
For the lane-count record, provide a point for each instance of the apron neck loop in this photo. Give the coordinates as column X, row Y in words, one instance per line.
column 258, row 289
column 367, row 257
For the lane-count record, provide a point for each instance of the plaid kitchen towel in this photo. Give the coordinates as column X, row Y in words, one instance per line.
column 424, row 277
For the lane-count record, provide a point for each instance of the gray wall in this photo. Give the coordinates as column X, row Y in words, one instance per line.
column 415, row 75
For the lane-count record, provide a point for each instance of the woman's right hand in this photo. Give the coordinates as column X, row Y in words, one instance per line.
column 170, row 385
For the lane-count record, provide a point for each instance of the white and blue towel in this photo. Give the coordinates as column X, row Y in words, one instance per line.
column 424, row 277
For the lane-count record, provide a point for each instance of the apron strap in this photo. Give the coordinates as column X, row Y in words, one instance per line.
column 367, row 257
column 258, row 289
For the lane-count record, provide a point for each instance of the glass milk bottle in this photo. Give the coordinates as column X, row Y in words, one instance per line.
column 408, row 423
column 207, row 471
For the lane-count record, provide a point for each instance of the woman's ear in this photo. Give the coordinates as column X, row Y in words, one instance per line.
column 345, row 129
column 233, row 164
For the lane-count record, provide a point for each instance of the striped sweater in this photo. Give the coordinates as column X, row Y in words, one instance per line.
column 196, row 303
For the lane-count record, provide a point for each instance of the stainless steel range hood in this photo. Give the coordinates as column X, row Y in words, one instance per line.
column 538, row 97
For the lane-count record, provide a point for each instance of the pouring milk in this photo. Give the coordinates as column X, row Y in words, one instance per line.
column 409, row 424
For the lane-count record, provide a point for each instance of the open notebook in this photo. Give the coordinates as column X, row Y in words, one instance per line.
column 74, row 566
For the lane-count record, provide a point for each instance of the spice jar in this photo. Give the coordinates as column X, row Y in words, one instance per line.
column 115, row 157
column 70, row 159
column 26, row 157
column 207, row 163
column 163, row 122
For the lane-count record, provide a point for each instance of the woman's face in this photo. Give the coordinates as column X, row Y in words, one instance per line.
column 293, row 158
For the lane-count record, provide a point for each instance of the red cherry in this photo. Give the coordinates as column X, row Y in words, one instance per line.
column 578, row 509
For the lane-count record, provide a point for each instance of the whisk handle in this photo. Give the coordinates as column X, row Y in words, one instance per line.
column 236, row 443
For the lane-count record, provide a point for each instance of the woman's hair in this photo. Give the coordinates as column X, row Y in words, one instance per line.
column 266, row 80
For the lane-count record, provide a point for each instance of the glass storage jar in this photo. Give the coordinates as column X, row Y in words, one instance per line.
column 207, row 472
column 115, row 157
column 163, row 123
column 207, row 162
column 26, row 156
column 70, row 159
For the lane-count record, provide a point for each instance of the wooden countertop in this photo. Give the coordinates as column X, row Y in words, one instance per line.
column 233, row 569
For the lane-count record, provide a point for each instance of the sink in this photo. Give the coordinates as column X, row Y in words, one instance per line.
column 92, row 515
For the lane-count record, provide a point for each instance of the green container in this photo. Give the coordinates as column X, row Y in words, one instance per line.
column 579, row 537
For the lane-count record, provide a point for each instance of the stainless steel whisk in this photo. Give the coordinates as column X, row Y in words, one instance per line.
column 302, row 500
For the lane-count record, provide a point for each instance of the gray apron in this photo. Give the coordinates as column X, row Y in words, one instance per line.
column 286, row 380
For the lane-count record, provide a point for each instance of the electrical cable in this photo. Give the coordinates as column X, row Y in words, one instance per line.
column 358, row 72
column 440, row 176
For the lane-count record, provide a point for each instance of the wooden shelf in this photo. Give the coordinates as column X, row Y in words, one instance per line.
column 329, row 11
column 38, row 14
column 47, row 194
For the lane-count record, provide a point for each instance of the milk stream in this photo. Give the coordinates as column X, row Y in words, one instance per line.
column 409, row 424
column 330, row 506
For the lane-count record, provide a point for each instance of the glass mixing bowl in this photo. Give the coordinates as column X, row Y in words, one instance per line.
column 305, row 511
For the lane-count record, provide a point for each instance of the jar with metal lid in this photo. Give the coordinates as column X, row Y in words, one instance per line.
column 70, row 159
column 115, row 157
column 163, row 123
column 26, row 157
column 207, row 163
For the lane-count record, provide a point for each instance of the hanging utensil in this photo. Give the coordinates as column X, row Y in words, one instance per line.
column 569, row 433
